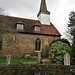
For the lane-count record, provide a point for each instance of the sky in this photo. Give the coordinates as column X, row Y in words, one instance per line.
column 59, row 10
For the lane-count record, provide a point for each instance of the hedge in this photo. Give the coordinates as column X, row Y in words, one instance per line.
column 37, row 70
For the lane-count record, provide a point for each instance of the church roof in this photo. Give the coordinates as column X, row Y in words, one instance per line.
column 29, row 26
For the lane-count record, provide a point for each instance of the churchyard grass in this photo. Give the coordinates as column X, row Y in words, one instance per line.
column 2, row 60
column 16, row 60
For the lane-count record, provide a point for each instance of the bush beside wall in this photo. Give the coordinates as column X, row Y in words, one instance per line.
column 37, row 70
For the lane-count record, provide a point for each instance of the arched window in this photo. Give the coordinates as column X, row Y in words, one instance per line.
column 38, row 44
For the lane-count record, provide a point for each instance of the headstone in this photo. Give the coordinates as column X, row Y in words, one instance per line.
column 30, row 63
column 37, row 73
column 46, row 61
column 27, row 56
column 8, row 59
column 34, row 57
column 66, row 59
column 39, row 57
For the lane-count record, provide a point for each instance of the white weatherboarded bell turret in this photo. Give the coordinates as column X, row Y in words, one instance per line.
column 44, row 14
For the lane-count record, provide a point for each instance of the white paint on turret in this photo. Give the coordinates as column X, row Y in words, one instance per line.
column 44, row 19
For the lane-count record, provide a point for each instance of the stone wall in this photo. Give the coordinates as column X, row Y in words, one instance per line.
column 19, row 44
column 37, row 70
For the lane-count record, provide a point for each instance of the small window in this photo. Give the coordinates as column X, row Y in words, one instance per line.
column 38, row 44
column 37, row 28
column 20, row 26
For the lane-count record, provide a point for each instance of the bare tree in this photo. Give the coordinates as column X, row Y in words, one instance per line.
column 4, row 26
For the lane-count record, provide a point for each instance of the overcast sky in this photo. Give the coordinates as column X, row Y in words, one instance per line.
column 59, row 10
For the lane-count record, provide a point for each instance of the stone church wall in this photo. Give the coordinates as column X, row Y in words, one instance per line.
column 17, row 45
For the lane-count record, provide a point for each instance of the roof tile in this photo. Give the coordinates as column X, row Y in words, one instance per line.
column 29, row 23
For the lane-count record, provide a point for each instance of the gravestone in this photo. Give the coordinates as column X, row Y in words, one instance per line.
column 27, row 56
column 46, row 61
column 38, row 73
column 39, row 56
column 8, row 59
column 66, row 59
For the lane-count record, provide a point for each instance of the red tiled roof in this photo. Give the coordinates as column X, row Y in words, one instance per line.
column 29, row 23
column 49, row 29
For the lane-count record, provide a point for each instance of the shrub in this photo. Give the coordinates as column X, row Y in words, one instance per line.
column 62, row 40
column 57, row 51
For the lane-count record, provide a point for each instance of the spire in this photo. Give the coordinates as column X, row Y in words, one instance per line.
column 44, row 14
column 43, row 8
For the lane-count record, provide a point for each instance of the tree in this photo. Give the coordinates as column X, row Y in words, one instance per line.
column 57, row 51
column 1, row 11
column 62, row 40
column 4, row 26
column 71, row 30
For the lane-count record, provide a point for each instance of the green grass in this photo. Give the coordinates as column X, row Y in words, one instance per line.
column 16, row 60
column 3, row 60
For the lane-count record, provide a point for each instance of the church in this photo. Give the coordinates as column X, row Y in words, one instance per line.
column 32, row 36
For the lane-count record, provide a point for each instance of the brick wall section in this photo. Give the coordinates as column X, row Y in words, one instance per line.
column 19, row 44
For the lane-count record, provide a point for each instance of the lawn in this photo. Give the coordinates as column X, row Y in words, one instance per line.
column 16, row 60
